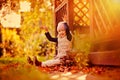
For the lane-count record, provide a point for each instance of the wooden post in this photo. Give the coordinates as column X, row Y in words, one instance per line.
column 70, row 13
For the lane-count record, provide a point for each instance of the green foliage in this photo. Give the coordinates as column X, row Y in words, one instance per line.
column 27, row 40
column 22, row 72
column 9, row 60
column 17, row 69
column 31, row 33
column 81, row 59
column 81, row 44
column 46, row 49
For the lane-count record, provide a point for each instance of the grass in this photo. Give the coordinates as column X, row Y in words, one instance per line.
column 18, row 69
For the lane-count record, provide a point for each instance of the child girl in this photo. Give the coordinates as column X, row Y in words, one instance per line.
column 64, row 40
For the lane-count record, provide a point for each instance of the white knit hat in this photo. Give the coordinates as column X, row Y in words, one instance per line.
column 60, row 25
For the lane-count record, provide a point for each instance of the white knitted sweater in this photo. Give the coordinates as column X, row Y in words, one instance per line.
column 63, row 45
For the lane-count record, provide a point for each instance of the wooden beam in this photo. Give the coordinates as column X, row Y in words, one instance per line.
column 100, row 15
column 60, row 6
column 98, row 25
column 106, row 14
column 91, row 19
column 105, row 58
column 70, row 13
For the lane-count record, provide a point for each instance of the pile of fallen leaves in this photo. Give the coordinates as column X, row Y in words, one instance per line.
column 73, row 69
column 26, row 71
column 76, row 69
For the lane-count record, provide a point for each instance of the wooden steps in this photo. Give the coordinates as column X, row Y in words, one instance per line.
column 106, row 52
column 105, row 58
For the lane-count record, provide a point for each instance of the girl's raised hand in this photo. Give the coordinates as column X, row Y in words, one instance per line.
column 45, row 28
column 64, row 18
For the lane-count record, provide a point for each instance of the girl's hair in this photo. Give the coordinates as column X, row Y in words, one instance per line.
column 69, row 36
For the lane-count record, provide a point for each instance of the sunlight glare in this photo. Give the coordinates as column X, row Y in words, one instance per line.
column 11, row 20
column 25, row 6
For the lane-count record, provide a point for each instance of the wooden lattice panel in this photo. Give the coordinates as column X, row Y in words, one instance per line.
column 81, row 13
column 104, row 18
column 77, row 12
column 105, row 30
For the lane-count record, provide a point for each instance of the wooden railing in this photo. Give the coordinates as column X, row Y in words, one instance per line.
column 77, row 12
column 104, row 29
column 102, row 18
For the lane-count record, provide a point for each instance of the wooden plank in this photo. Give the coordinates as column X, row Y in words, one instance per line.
column 105, row 52
column 99, row 14
column 60, row 6
column 98, row 25
column 70, row 14
column 91, row 19
column 105, row 58
column 106, row 14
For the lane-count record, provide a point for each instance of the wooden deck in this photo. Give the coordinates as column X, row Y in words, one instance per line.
column 105, row 58
column 106, row 53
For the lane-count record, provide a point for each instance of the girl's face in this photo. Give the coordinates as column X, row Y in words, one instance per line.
column 61, row 32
